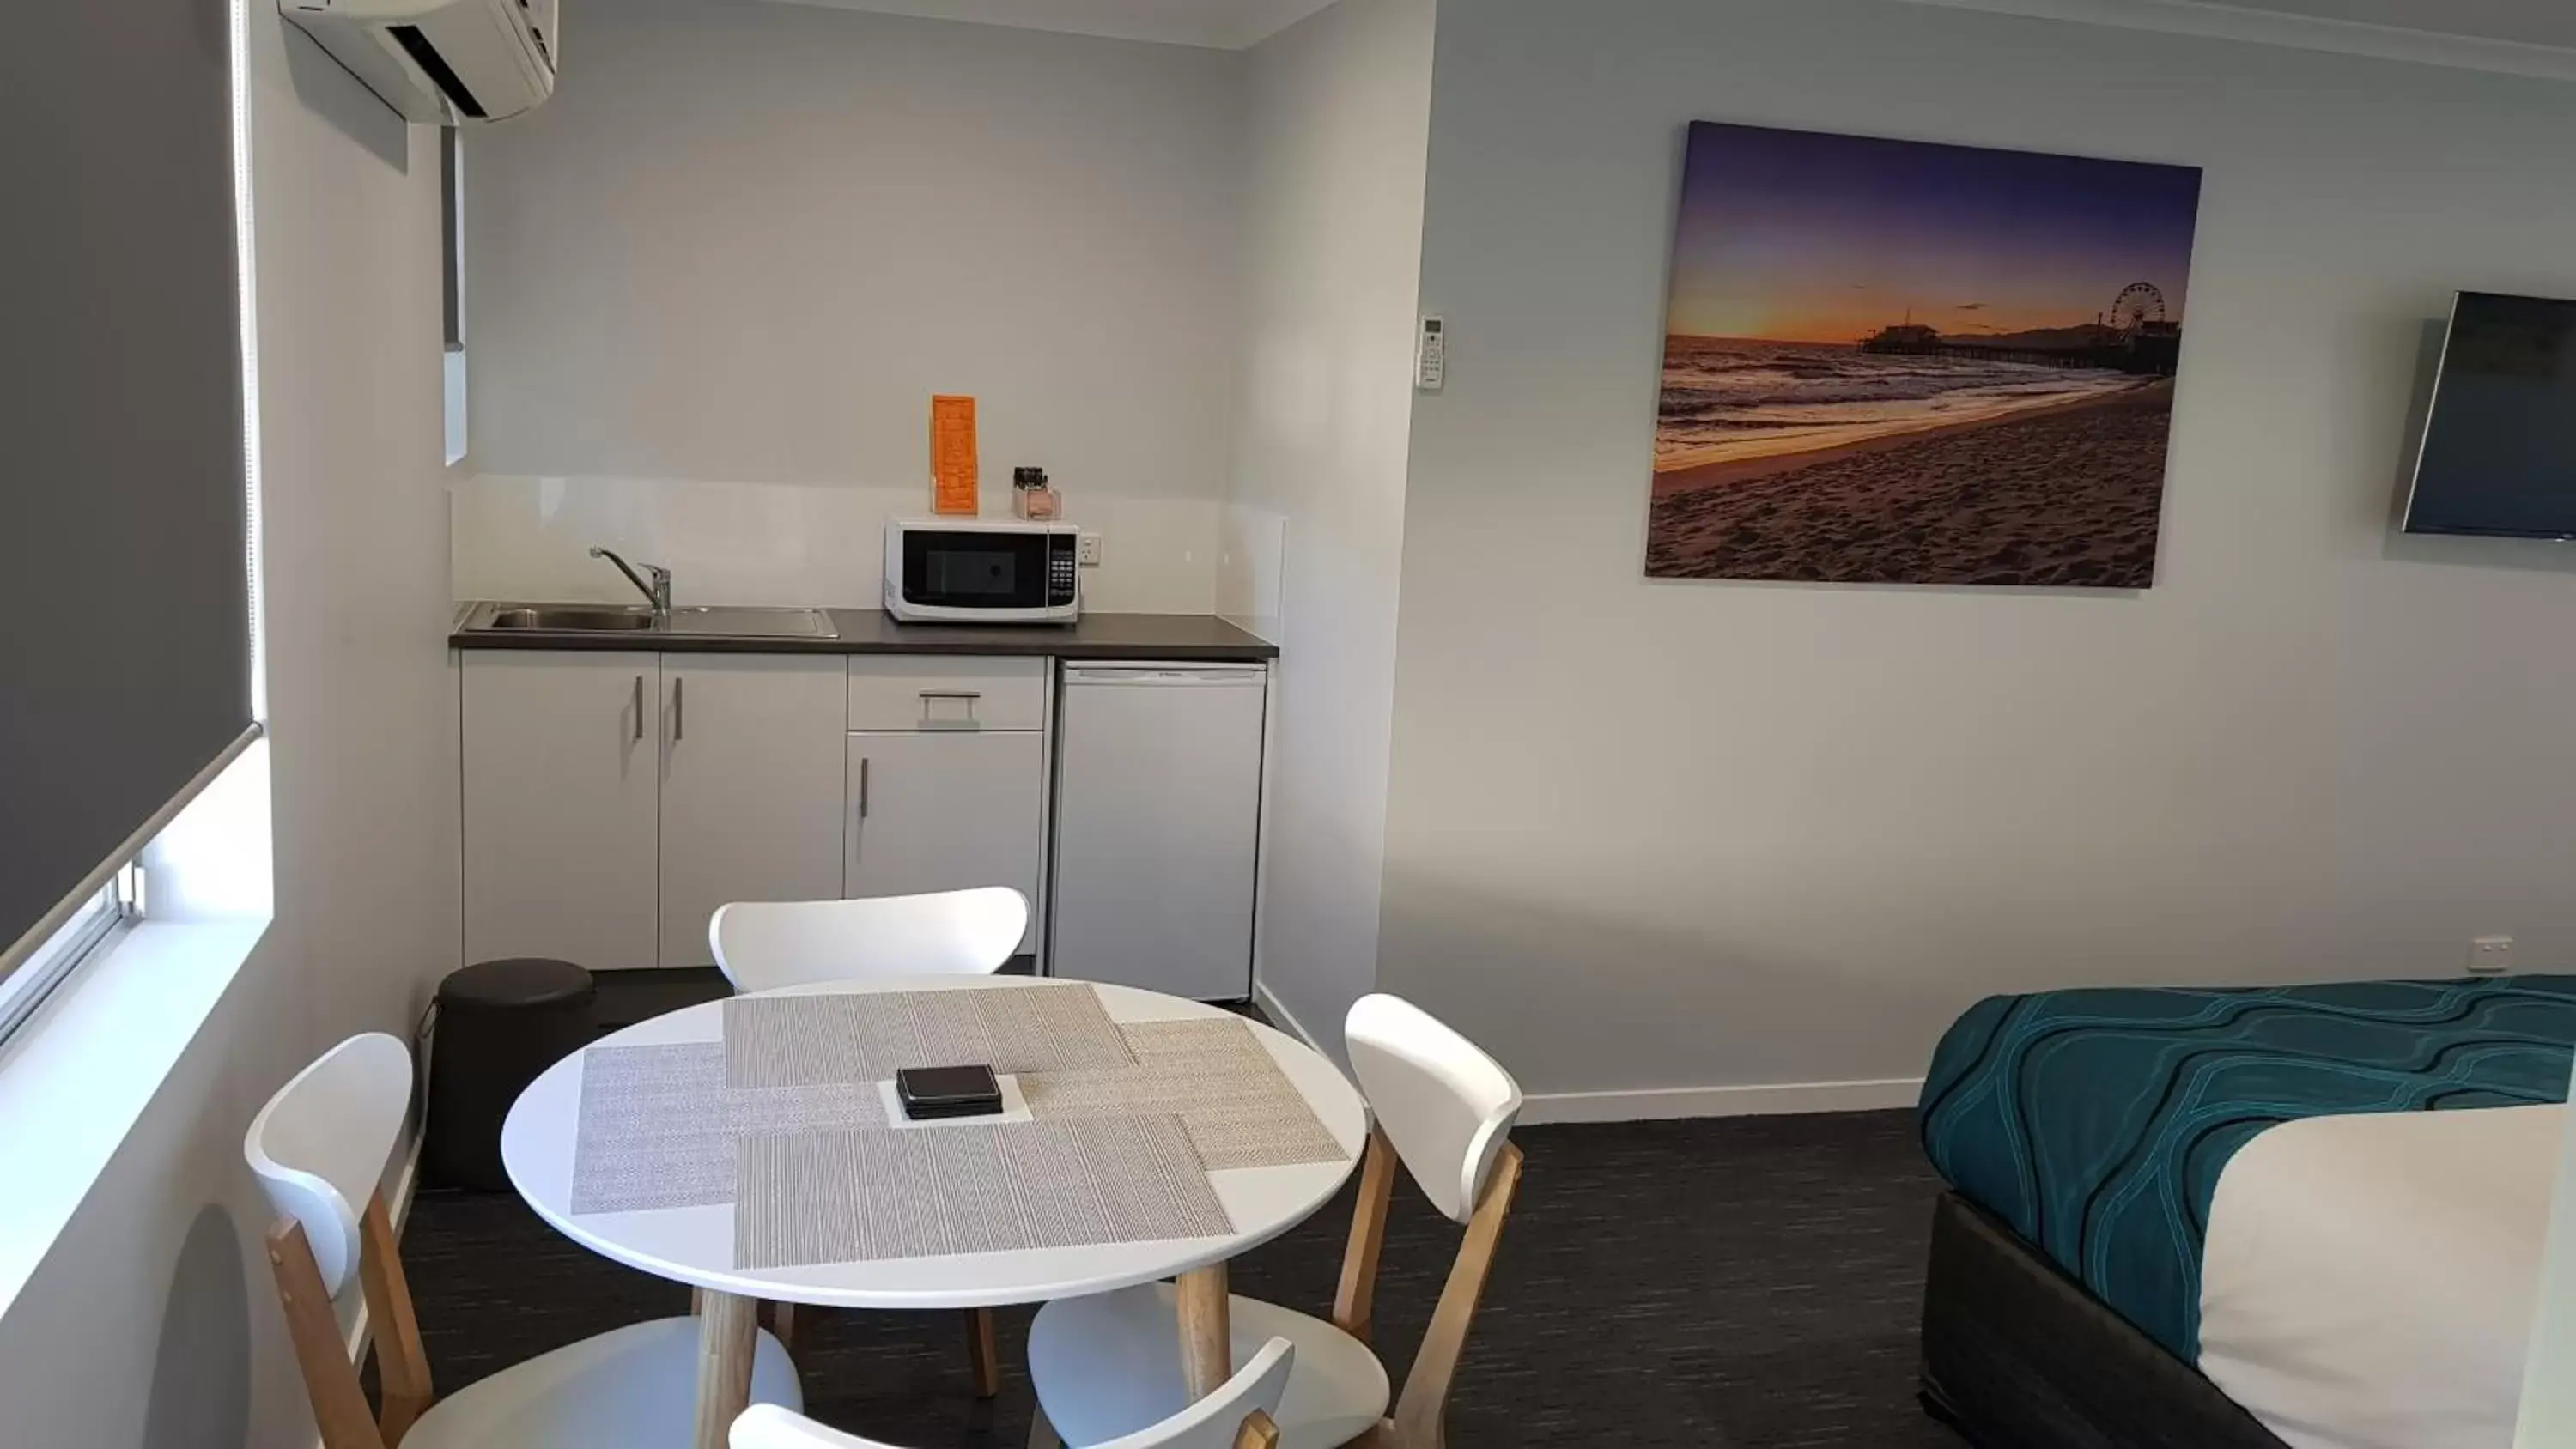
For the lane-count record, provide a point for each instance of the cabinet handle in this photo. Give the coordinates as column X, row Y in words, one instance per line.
column 965, row 699
column 679, row 711
column 863, row 787
column 639, row 709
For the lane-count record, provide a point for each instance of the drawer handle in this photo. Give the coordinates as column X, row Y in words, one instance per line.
column 931, row 700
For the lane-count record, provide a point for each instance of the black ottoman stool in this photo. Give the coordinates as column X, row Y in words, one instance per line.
column 500, row 1023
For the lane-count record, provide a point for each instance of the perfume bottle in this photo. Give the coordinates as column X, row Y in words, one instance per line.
column 1031, row 498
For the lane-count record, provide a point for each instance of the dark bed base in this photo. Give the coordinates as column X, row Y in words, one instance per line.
column 2016, row 1356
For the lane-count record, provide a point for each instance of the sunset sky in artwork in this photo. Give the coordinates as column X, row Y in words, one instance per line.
column 1798, row 236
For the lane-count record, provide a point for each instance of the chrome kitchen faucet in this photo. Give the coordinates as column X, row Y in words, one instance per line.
column 659, row 590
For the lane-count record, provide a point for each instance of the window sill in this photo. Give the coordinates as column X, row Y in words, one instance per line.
column 81, row 1073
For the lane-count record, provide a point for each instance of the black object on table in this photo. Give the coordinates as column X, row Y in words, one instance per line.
column 500, row 1024
column 928, row 1092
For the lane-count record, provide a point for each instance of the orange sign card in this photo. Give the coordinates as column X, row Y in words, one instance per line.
column 954, row 474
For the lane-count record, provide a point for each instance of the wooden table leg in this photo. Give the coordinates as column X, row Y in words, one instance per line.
column 1207, row 1332
column 981, row 1356
column 728, row 1329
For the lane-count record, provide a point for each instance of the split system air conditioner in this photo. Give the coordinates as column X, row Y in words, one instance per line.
column 444, row 62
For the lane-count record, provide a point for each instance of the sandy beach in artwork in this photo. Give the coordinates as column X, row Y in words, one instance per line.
column 2065, row 494
column 1743, row 470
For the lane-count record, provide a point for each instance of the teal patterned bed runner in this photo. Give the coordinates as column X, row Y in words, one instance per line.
column 2096, row 1123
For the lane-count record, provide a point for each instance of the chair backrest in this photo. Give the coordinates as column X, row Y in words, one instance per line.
column 319, row 1149
column 767, row 944
column 321, row 1144
column 1236, row 1416
column 1446, row 1110
column 1446, row 1106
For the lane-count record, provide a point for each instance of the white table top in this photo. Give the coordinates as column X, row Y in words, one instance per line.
column 694, row 1245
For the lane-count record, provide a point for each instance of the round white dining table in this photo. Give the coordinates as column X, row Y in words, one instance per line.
column 695, row 1245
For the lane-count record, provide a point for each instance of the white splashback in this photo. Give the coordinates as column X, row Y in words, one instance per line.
column 525, row 537
column 1251, row 562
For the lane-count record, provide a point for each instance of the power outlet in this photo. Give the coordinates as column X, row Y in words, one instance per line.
column 1088, row 554
column 2491, row 955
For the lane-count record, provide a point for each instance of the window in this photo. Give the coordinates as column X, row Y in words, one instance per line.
column 94, row 923
column 451, row 280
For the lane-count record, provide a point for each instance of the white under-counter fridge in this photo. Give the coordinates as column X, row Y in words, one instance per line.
column 1158, row 826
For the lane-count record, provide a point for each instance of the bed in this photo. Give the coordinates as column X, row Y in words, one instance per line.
column 2306, row 1216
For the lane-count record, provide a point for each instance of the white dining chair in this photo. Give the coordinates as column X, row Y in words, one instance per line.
column 1103, row 1365
column 1236, row 1416
column 318, row 1148
column 763, row 945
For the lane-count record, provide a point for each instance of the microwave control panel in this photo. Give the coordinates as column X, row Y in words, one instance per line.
column 1061, row 586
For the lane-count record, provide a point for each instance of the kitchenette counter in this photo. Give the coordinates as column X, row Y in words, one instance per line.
column 1201, row 638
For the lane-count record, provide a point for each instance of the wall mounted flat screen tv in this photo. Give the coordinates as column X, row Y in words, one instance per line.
column 2499, row 454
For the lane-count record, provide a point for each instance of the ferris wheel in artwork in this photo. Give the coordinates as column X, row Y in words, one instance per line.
column 2140, row 303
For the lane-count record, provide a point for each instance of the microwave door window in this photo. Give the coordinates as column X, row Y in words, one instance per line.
column 975, row 571
column 980, row 575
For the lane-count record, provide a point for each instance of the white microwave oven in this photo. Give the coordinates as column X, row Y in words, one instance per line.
column 982, row 571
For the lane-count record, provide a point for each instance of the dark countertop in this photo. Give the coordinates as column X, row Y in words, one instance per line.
column 1154, row 637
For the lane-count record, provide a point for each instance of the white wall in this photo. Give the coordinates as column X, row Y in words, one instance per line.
column 362, row 712
column 2549, row 1379
column 1340, row 103
column 746, row 242
column 152, row 1323
column 1686, row 835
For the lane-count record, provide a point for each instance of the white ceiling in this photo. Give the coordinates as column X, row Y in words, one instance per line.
column 2485, row 33
column 1222, row 24
column 2526, row 22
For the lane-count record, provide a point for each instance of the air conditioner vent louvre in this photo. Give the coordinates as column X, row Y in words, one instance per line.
column 434, row 65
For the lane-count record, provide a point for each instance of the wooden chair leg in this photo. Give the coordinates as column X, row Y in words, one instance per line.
column 1258, row 1432
column 402, row 1369
column 981, row 1355
column 1042, row 1435
column 786, row 1321
column 339, row 1405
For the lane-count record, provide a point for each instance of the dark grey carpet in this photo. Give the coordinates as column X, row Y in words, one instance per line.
column 1743, row 1282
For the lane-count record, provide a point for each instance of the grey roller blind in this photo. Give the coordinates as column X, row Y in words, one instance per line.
column 123, row 595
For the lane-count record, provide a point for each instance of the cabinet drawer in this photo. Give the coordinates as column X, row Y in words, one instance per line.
column 937, row 692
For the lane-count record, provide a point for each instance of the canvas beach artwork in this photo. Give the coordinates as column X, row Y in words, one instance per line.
column 1898, row 362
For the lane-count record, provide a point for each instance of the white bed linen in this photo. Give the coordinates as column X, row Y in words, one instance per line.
column 2368, row 1280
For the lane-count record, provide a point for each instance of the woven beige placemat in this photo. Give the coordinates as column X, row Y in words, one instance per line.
column 846, row 1197
column 792, row 1041
column 658, row 1125
column 1215, row 1075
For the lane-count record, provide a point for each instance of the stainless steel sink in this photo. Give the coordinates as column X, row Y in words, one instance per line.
column 754, row 623
column 698, row 623
column 566, row 620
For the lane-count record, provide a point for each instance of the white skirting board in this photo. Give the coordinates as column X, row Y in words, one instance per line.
column 1286, row 1021
column 1662, row 1103
column 1657, row 1104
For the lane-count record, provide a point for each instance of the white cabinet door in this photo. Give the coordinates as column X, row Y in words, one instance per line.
column 559, row 793
column 947, row 810
column 751, row 787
